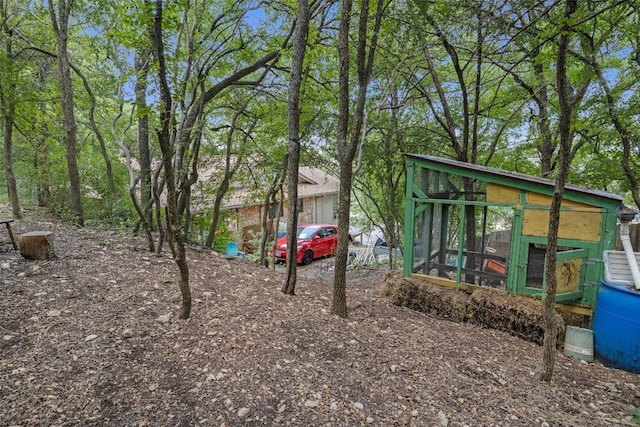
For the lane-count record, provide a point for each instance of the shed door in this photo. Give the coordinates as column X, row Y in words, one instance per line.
column 570, row 271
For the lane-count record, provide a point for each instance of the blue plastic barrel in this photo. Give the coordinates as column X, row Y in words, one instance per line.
column 616, row 327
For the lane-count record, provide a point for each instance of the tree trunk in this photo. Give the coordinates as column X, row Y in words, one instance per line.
column 215, row 217
column 228, row 173
column 566, row 104
column 60, row 23
column 8, row 162
column 269, row 229
column 339, row 294
column 157, row 187
column 8, row 105
column 295, row 80
column 142, row 71
column 174, row 232
column 41, row 148
column 547, row 146
column 96, row 130
column 347, row 144
column 266, row 223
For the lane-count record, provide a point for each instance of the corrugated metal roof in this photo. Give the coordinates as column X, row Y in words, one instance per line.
column 515, row 176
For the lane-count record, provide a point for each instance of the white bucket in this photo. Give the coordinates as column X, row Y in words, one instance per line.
column 578, row 343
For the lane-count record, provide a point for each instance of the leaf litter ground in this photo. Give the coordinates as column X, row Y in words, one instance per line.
column 83, row 343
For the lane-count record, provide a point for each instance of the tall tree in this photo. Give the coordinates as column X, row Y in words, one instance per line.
column 195, row 96
column 622, row 123
column 568, row 100
column 526, row 27
column 141, row 63
column 213, row 58
column 235, row 150
column 470, row 92
column 60, row 15
column 295, row 80
column 143, row 210
column 176, row 237
column 348, row 138
column 8, row 95
column 380, row 170
column 41, row 157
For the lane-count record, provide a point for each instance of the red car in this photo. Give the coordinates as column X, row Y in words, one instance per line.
column 314, row 241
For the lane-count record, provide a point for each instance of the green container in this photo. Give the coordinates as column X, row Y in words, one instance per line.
column 578, row 343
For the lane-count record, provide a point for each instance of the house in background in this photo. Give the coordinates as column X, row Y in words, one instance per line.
column 244, row 205
column 317, row 203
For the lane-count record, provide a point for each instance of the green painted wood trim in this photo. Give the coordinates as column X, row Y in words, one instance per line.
column 422, row 207
column 578, row 244
column 427, row 233
column 572, row 254
column 409, row 221
column 570, row 296
column 515, row 257
column 461, row 234
column 418, row 194
column 462, row 202
column 444, row 217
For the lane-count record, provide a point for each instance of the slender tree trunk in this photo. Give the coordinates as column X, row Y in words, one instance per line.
column 175, row 236
column 41, row 148
column 8, row 106
column 564, row 157
column 295, row 81
column 339, row 292
column 41, row 166
column 230, row 168
column 9, row 115
column 269, row 229
column 141, row 61
column 547, row 147
column 96, row 130
column 266, row 222
column 60, row 21
column 157, row 187
column 215, row 218
column 347, row 143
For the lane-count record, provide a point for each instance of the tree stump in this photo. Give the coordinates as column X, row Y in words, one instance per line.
column 37, row 245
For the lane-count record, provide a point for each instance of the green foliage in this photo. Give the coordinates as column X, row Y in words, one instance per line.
column 222, row 238
column 117, row 213
column 199, row 227
column 516, row 62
